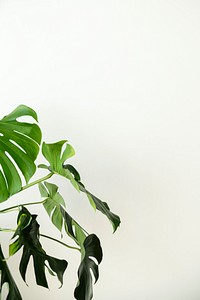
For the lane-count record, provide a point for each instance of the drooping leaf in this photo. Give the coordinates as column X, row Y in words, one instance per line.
column 52, row 203
column 55, row 207
column 28, row 238
column 94, row 201
column 56, row 154
column 73, row 229
column 19, row 146
column 6, row 277
column 53, row 153
column 73, row 171
column 102, row 207
column 92, row 251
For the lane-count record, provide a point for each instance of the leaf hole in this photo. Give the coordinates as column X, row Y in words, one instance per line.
column 94, row 260
column 16, row 167
column 2, row 171
column 74, row 230
column 18, row 146
column 64, row 146
column 24, row 119
column 24, row 135
column 5, row 291
column 92, row 275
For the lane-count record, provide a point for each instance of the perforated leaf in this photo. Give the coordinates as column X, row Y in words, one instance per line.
column 28, row 239
column 19, row 147
column 52, row 203
column 6, row 277
column 91, row 258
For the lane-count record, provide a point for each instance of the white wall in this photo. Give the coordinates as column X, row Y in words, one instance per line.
column 120, row 80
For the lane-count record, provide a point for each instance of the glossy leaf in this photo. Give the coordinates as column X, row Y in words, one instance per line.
column 56, row 154
column 73, row 229
column 102, row 207
column 92, row 251
column 94, row 201
column 28, row 238
column 6, row 277
column 52, row 203
column 55, row 207
column 19, row 146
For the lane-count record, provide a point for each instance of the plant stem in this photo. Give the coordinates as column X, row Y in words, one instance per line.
column 36, row 181
column 7, row 230
column 16, row 206
column 55, row 240
column 26, row 187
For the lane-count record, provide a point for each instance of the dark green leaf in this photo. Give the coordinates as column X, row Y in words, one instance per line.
column 19, row 142
column 28, row 238
column 102, row 207
column 73, row 229
column 94, row 201
column 92, row 251
column 6, row 277
column 73, row 171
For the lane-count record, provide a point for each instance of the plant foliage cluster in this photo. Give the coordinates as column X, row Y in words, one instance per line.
column 20, row 143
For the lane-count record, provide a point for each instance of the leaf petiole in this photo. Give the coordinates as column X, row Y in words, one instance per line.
column 55, row 240
column 36, row 181
column 13, row 208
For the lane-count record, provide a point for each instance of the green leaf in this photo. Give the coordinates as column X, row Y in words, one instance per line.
column 102, row 207
column 28, row 238
column 73, row 171
column 92, row 251
column 95, row 202
column 19, row 142
column 6, row 277
column 52, row 203
column 56, row 154
column 72, row 228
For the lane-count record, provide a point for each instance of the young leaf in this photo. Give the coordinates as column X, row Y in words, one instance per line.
column 92, row 251
column 56, row 157
column 20, row 141
column 28, row 238
column 52, row 203
column 6, row 277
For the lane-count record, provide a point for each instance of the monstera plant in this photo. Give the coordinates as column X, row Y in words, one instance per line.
column 20, row 144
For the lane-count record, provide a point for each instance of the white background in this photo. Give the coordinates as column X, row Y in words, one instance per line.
column 120, row 81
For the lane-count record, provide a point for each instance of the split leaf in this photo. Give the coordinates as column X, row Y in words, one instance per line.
column 28, row 238
column 6, row 277
column 19, row 147
column 52, row 203
column 91, row 258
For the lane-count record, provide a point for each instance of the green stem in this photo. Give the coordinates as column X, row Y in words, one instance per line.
column 37, row 181
column 7, row 230
column 26, row 187
column 17, row 206
column 55, row 240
